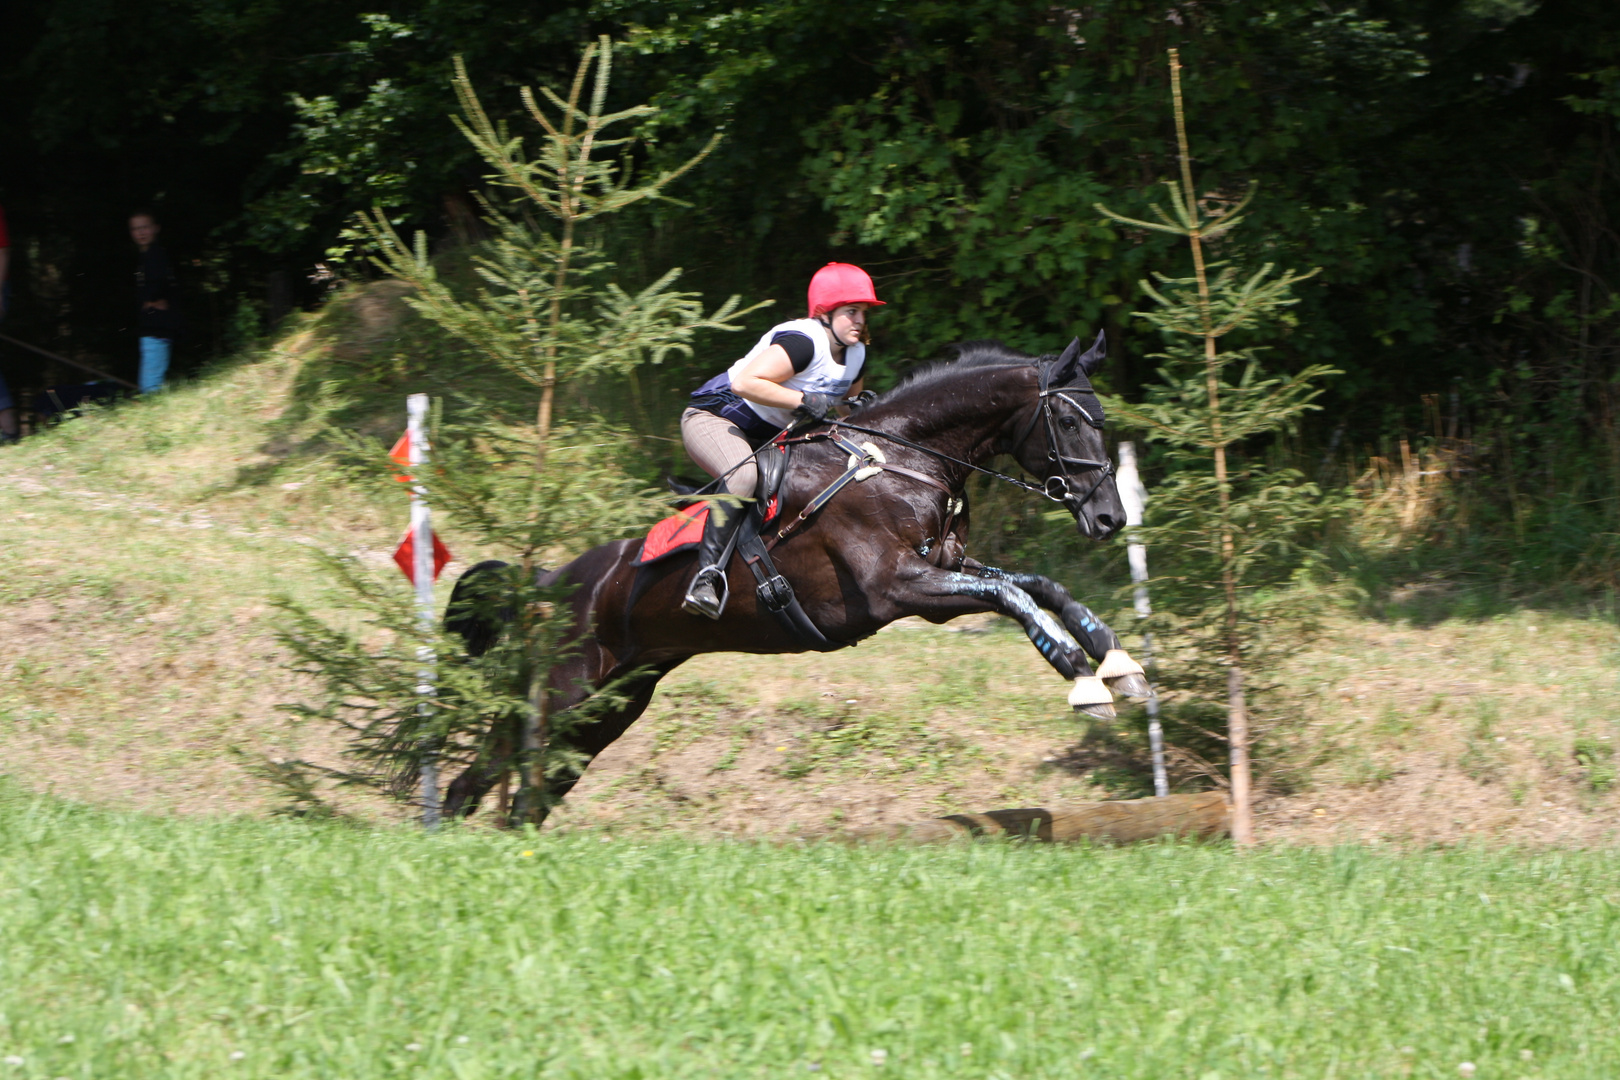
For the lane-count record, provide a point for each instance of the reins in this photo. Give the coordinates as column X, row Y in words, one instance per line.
column 863, row 463
column 1043, row 411
column 825, row 436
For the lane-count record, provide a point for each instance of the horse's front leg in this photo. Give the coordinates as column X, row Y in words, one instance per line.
column 1115, row 666
column 939, row 595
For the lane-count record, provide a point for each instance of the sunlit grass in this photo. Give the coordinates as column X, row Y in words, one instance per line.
column 136, row 947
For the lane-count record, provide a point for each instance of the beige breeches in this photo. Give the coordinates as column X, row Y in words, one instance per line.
column 716, row 444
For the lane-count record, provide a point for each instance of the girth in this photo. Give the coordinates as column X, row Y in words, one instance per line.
column 774, row 592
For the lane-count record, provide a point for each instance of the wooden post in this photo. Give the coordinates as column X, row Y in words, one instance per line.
column 416, row 408
column 1133, row 493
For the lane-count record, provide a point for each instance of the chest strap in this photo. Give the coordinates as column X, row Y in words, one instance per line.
column 864, row 461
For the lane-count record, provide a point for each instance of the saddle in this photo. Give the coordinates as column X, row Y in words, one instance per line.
column 683, row 530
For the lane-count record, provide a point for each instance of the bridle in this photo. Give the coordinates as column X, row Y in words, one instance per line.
column 1061, row 487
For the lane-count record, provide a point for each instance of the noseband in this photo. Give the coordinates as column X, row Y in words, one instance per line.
column 1063, row 487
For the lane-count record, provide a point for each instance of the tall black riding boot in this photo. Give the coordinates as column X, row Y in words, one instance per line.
column 708, row 592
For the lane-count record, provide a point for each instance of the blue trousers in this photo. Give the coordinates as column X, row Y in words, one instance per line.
column 154, row 363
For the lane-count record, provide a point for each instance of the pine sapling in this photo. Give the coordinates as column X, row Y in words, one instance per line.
column 1202, row 413
column 545, row 307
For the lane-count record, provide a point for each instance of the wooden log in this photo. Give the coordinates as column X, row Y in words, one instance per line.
column 1123, row 822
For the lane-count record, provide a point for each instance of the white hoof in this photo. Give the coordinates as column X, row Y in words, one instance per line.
column 1089, row 690
column 1133, row 688
column 1096, row 712
column 1117, row 662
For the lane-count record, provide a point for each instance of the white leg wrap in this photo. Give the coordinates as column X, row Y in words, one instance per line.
column 1089, row 690
column 1117, row 662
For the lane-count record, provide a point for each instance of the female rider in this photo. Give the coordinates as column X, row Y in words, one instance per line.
column 798, row 369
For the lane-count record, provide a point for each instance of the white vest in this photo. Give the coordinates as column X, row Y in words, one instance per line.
column 824, row 375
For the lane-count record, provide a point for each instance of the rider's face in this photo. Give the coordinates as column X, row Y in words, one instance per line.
column 848, row 323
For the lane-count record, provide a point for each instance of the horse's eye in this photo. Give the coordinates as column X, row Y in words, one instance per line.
column 1068, row 423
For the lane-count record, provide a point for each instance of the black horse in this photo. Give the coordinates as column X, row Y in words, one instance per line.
column 889, row 544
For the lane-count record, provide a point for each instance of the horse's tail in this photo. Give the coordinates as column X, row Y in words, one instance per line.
column 479, row 609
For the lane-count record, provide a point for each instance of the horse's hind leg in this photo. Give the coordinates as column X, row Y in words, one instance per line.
column 591, row 739
column 588, row 740
column 464, row 794
column 1116, row 668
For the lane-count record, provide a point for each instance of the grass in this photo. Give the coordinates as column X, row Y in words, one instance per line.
column 148, row 947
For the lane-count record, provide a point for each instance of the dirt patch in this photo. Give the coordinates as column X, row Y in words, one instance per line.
column 1412, row 736
column 140, row 669
column 1457, row 731
column 370, row 318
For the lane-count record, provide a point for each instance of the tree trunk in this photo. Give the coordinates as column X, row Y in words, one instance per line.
column 536, row 733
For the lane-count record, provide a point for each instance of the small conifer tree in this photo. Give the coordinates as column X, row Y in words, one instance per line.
column 1226, row 529
column 546, row 309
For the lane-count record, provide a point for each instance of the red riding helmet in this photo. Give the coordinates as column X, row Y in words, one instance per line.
column 840, row 283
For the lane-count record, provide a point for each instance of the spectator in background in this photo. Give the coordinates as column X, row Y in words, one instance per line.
column 159, row 321
column 8, row 408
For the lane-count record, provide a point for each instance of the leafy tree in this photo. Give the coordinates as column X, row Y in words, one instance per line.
column 1228, row 534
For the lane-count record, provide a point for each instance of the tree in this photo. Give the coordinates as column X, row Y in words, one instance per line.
column 546, row 309
column 1221, row 526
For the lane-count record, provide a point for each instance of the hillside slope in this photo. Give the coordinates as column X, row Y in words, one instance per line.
column 143, row 547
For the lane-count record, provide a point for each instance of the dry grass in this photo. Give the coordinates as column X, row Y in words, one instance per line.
column 144, row 545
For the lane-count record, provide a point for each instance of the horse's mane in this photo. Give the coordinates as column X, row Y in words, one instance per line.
column 961, row 355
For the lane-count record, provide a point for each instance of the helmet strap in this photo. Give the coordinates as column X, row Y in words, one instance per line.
column 825, row 319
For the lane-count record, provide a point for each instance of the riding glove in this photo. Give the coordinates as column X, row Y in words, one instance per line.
column 862, row 400
column 817, row 406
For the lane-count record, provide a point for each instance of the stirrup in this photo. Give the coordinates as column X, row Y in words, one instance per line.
column 718, row 586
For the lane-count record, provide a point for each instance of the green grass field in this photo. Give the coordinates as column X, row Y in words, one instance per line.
column 169, row 947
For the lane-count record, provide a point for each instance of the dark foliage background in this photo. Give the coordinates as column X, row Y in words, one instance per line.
column 1450, row 165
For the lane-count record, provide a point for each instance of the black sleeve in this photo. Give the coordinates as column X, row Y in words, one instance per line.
column 799, row 348
column 165, row 275
column 157, row 276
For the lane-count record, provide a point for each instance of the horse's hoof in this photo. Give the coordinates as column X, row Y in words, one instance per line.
column 1099, row 711
column 1133, row 688
column 1089, row 690
column 1117, row 663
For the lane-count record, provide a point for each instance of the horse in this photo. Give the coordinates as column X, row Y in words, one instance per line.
column 888, row 545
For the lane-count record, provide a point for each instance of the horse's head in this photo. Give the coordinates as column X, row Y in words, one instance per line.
column 1061, row 441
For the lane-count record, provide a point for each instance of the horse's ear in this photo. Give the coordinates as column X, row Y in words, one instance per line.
column 1064, row 367
column 1094, row 356
column 1073, row 363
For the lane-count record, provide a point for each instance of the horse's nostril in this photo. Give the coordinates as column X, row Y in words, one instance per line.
column 1109, row 522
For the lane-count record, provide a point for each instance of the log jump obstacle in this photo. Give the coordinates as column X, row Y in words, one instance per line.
column 1123, row 822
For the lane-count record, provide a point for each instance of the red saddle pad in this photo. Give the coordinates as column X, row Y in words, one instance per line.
column 681, row 530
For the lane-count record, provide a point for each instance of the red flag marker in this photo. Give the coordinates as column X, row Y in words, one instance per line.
column 405, row 556
column 401, row 454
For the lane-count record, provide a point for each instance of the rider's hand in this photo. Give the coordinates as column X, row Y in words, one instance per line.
column 817, row 406
column 865, row 398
